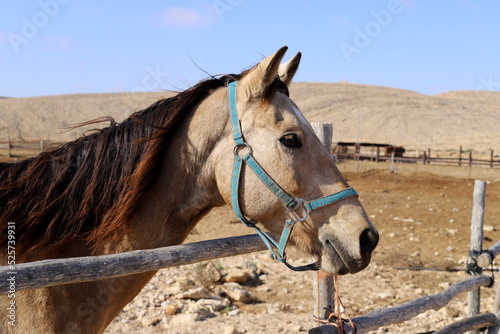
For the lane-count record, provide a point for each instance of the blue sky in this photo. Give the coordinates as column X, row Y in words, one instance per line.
column 73, row 46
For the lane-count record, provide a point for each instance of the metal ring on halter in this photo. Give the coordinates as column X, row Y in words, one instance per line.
column 293, row 216
column 235, row 149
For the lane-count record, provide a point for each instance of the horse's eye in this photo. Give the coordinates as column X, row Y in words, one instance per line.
column 291, row 141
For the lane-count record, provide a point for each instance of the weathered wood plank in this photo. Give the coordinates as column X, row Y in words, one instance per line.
column 476, row 246
column 406, row 311
column 471, row 323
column 486, row 258
column 324, row 131
column 494, row 329
column 82, row 269
column 323, row 283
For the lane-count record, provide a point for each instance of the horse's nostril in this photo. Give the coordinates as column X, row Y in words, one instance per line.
column 368, row 240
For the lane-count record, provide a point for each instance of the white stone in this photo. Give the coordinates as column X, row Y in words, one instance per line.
column 489, row 228
column 230, row 330
column 185, row 319
column 211, row 273
column 233, row 312
column 236, row 292
column 385, row 294
column 196, row 293
column 150, row 320
column 444, row 285
column 237, row 275
column 213, row 304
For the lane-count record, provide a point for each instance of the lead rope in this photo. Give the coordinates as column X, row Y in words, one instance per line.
column 335, row 318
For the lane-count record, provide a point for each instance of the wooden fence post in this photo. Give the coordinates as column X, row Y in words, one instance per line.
column 323, row 285
column 324, row 131
column 460, row 157
column 393, row 162
column 476, row 247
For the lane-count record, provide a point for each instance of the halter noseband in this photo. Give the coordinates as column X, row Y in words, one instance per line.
column 291, row 204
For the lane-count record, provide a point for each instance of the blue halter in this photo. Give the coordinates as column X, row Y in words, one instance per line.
column 292, row 204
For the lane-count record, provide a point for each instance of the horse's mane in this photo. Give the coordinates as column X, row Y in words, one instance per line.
column 88, row 187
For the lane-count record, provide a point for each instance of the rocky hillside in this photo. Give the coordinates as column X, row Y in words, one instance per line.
column 368, row 113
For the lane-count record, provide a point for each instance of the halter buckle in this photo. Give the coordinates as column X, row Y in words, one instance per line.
column 293, row 216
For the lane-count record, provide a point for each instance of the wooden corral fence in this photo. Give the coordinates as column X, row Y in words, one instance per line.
column 385, row 152
column 82, row 269
column 478, row 259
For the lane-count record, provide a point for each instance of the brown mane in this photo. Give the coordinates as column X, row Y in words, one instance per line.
column 88, row 187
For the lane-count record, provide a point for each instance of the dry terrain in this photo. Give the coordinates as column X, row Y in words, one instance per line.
column 423, row 220
column 423, row 213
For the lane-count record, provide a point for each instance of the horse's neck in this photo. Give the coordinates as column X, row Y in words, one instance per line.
column 183, row 192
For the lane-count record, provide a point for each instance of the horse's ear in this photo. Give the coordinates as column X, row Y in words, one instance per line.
column 255, row 82
column 287, row 70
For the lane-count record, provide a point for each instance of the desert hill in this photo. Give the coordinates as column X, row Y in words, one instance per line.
column 372, row 113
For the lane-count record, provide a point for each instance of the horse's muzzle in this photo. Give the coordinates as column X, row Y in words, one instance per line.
column 340, row 258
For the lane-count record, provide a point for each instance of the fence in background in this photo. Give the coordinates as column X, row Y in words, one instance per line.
column 23, row 150
column 463, row 158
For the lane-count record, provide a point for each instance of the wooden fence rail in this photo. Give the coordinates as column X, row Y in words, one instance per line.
column 47, row 273
column 406, row 311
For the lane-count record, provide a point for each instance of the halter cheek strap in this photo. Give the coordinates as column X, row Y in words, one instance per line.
column 291, row 204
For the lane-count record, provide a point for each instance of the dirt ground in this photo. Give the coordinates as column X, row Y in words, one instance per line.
column 424, row 222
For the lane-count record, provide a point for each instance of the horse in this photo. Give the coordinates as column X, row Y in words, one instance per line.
column 146, row 182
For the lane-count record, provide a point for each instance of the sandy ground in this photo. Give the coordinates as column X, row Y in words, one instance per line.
column 424, row 222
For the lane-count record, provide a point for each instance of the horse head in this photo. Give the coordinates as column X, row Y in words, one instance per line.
column 331, row 223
